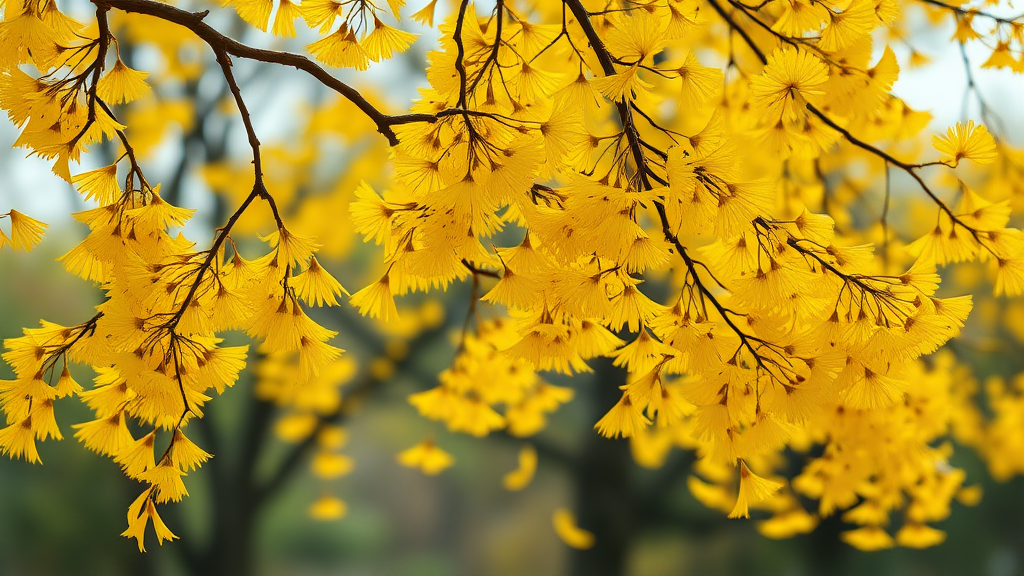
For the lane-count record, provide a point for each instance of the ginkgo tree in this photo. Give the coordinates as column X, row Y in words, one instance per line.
column 668, row 184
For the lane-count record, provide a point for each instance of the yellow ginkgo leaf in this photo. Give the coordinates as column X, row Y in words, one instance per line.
column 426, row 15
column 25, row 231
column 384, row 41
column 791, row 78
column 426, row 456
column 317, row 287
column 340, row 50
column 100, row 184
column 328, row 508
column 572, row 535
column 122, row 84
column 965, row 141
column 521, row 477
column 753, row 489
column 284, row 20
column 376, row 300
column 622, row 86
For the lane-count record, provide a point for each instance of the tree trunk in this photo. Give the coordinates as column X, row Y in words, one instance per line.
column 604, row 503
column 231, row 551
column 236, row 504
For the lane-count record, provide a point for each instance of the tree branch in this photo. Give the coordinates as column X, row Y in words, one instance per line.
column 223, row 44
column 636, row 147
column 910, row 169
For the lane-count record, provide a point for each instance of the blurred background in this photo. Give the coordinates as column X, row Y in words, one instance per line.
column 249, row 507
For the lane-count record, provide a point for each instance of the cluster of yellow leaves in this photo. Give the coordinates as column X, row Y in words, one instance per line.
column 154, row 341
column 629, row 200
column 353, row 44
column 975, row 229
column 871, row 481
column 775, row 331
column 997, row 436
column 308, row 408
column 481, row 381
column 1002, row 36
column 306, row 402
column 56, row 111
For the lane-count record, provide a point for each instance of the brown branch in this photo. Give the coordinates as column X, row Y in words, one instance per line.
column 608, row 67
column 218, row 242
column 492, row 57
column 103, row 42
column 480, row 271
column 636, row 148
column 596, row 44
column 259, row 187
column 691, row 265
column 221, row 43
column 731, row 22
column 136, row 168
column 910, row 169
column 972, row 11
column 460, row 65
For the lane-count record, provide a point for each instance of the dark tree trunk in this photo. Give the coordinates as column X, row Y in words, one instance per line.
column 231, row 551
column 604, row 503
column 827, row 550
column 237, row 502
